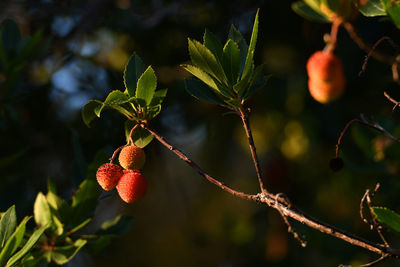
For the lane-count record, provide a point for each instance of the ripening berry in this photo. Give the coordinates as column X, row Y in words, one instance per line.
column 132, row 158
column 326, row 81
column 132, row 186
column 108, row 175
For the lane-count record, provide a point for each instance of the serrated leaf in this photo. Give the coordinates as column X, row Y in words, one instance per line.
column 200, row 91
column 133, row 70
column 88, row 111
column 372, row 8
column 250, row 52
column 213, row 44
column 309, row 13
column 231, row 61
column 146, row 85
column 13, row 242
column 8, row 223
column 158, row 97
column 140, row 136
column 27, row 247
column 114, row 98
column 237, row 37
column 393, row 10
column 201, row 75
column 387, row 217
column 62, row 255
column 204, row 59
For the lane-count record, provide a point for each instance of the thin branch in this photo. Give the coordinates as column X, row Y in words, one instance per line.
column 363, row 121
column 397, row 103
column 382, row 258
column 287, row 210
column 367, row 47
column 246, row 126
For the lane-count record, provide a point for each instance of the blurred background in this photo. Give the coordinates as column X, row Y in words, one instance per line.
column 184, row 220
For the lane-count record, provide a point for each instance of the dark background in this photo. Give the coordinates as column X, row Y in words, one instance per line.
column 184, row 220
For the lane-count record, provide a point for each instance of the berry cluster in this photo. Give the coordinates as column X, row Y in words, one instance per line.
column 129, row 181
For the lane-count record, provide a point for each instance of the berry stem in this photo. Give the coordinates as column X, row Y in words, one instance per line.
column 130, row 141
column 330, row 47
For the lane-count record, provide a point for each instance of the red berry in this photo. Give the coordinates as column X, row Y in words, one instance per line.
column 326, row 77
column 132, row 158
column 132, row 186
column 108, row 175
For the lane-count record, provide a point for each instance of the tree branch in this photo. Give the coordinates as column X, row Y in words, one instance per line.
column 283, row 207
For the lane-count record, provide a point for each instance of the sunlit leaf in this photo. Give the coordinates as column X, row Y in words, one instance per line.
column 309, row 13
column 88, row 111
column 140, row 136
column 62, row 255
column 146, row 85
column 387, row 217
column 8, row 223
column 372, row 8
column 231, row 60
column 213, row 44
column 393, row 10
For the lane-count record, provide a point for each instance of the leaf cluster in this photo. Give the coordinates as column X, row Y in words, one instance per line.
column 328, row 10
column 226, row 74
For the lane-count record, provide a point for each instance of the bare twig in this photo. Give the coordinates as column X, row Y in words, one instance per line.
column 367, row 47
column 372, row 263
column 246, row 126
column 286, row 210
column 397, row 103
column 364, row 121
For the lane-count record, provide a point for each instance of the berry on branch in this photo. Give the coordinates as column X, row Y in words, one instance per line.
column 132, row 186
column 132, row 158
column 326, row 80
column 108, row 175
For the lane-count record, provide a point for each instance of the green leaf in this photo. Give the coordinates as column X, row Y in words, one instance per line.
column 88, row 111
column 204, row 59
column 27, row 247
column 158, row 97
column 41, row 210
column 372, row 8
column 140, row 136
column 114, row 98
column 133, row 70
column 393, row 10
column 8, row 223
column 250, row 53
column 231, row 61
column 117, row 226
column 84, row 201
column 146, row 85
column 30, row 45
column 343, row 8
column 387, row 217
column 62, row 255
column 213, row 44
column 202, row 76
column 200, row 91
column 13, row 242
column 80, row 226
column 309, row 13
column 237, row 37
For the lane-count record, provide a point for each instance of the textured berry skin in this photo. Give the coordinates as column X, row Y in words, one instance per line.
column 132, row 186
column 108, row 175
column 326, row 80
column 132, row 158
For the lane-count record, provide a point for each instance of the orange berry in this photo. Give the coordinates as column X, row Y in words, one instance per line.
column 132, row 158
column 132, row 186
column 326, row 80
column 108, row 175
